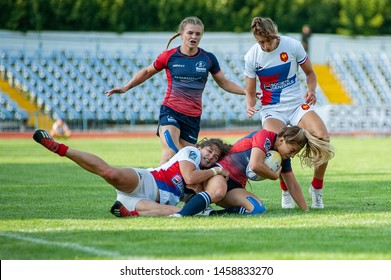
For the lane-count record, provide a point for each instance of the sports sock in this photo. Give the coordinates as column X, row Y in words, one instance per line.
column 230, row 210
column 197, row 204
column 283, row 186
column 43, row 137
column 120, row 211
column 126, row 213
column 62, row 150
column 317, row 183
column 55, row 147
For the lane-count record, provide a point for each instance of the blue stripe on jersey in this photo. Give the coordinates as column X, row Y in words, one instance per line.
column 168, row 188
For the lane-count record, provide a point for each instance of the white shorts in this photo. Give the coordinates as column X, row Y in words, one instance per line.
column 289, row 114
column 146, row 189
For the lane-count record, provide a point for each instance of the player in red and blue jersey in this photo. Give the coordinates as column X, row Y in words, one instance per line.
column 275, row 61
column 154, row 191
column 187, row 69
column 251, row 151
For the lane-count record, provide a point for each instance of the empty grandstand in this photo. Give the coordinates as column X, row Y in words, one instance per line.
column 69, row 83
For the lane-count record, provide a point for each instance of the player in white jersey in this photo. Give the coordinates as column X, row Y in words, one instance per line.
column 154, row 191
column 275, row 61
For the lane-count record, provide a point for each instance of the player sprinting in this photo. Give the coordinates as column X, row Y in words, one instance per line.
column 187, row 68
column 153, row 191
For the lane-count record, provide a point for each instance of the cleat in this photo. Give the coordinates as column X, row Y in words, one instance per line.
column 287, row 200
column 43, row 137
column 316, row 197
column 120, row 211
column 176, row 215
column 205, row 212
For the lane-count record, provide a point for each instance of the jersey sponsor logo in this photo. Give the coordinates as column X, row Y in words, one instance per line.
column 192, row 155
column 179, row 65
column 201, row 66
column 284, row 56
column 281, row 84
column 267, row 144
column 178, row 182
column 305, row 107
column 186, row 79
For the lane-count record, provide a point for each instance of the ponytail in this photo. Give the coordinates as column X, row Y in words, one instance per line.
column 315, row 151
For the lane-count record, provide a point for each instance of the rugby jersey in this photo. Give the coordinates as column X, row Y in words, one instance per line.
column 186, row 77
column 277, row 71
column 168, row 176
column 239, row 156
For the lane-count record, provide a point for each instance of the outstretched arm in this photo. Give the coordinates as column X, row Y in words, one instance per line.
column 139, row 78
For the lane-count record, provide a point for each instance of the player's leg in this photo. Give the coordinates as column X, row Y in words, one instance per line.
column 312, row 122
column 214, row 190
column 123, row 179
column 276, row 124
column 143, row 207
column 169, row 140
column 152, row 208
column 240, row 201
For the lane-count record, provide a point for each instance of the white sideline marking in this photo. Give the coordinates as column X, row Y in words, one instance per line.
column 73, row 246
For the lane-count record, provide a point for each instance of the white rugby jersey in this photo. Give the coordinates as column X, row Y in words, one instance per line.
column 168, row 176
column 277, row 71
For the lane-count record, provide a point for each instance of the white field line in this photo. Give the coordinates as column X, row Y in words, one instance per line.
column 73, row 246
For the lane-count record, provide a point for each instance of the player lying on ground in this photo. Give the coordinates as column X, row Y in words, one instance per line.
column 251, row 150
column 154, row 191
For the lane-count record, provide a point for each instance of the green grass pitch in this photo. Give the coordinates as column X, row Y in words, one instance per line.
column 52, row 209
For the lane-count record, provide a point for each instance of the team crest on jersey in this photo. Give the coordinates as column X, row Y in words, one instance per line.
column 200, row 66
column 192, row 155
column 305, row 107
column 284, row 56
column 267, row 144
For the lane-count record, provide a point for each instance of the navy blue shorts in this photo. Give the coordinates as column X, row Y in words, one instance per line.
column 232, row 184
column 189, row 126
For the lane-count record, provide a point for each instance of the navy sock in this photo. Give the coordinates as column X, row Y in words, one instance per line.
column 197, row 204
column 230, row 210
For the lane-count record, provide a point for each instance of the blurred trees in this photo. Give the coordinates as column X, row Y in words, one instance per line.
column 351, row 17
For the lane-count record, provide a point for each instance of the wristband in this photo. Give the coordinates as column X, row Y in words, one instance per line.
column 214, row 171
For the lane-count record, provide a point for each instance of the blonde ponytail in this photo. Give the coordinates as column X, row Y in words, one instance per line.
column 316, row 152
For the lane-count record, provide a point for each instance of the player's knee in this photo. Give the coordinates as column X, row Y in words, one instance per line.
column 258, row 207
column 218, row 194
column 166, row 155
column 216, row 188
column 324, row 135
column 110, row 175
